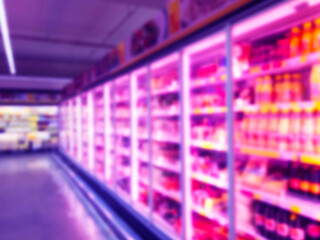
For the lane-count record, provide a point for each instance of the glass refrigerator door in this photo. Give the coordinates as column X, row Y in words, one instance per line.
column 140, row 145
column 165, row 145
column 109, row 144
column 85, row 132
column 123, row 137
column 79, row 128
column 70, row 129
column 205, row 136
column 99, row 132
column 74, row 128
column 276, row 67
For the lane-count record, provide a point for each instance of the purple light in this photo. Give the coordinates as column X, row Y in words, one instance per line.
column 5, row 37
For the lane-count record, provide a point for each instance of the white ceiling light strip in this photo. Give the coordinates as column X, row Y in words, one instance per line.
column 5, row 36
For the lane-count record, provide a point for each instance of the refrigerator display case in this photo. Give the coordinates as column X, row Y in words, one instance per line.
column 205, row 138
column 276, row 77
column 140, row 141
column 78, row 124
column 165, row 145
column 122, row 136
column 62, row 127
column 70, row 128
column 244, row 100
column 74, row 126
column 99, row 132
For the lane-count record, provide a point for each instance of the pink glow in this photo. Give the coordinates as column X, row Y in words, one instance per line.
column 187, row 144
column 139, row 72
column 204, row 44
column 284, row 10
column 164, row 61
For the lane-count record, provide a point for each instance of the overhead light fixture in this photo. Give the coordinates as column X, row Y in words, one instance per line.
column 5, row 36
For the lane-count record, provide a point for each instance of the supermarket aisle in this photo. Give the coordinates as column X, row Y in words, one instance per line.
column 37, row 203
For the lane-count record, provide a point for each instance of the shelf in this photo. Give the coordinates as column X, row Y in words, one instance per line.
column 209, row 110
column 123, row 151
column 174, row 195
column 168, row 90
column 207, row 81
column 144, row 181
column 281, row 66
column 161, row 162
column 165, row 113
column 221, row 183
column 294, row 204
column 143, row 157
column 208, row 145
column 222, row 220
column 164, row 226
column 162, row 137
column 123, row 132
column 122, row 99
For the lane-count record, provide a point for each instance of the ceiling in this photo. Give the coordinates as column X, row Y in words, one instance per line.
column 62, row 38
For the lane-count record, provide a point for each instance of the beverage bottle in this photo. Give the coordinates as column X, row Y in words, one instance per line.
column 316, row 35
column 273, row 131
column 297, row 228
column 313, row 230
column 267, row 89
column 306, row 38
column 307, row 130
column 295, row 42
column 253, row 129
column 283, row 228
column 315, row 183
column 278, row 88
column 287, row 88
column 258, row 90
column 296, row 94
column 295, row 128
column 258, row 218
column 263, row 124
column 244, row 136
column 283, row 130
column 270, row 222
column 305, row 181
column 294, row 180
column 317, row 131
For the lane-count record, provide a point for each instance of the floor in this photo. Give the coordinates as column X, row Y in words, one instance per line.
column 37, row 203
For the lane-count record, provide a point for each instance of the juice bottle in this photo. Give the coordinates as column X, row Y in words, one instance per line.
column 258, row 90
column 278, row 88
column 295, row 128
column 273, row 130
column 306, row 38
column 244, row 136
column 253, row 129
column 295, row 42
column 316, row 35
column 317, row 131
column 267, row 89
column 308, row 126
column 315, row 82
column 296, row 87
column 287, row 88
column 283, row 130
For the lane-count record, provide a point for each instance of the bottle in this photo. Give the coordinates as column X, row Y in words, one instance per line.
column 296, row 85
column 295, row 42
column 287, row 88
column 308, row 126
column 316, row 35
column 317, row 131
column 306, row 38
column 295, row 128
column 315, row 183
column 305, row 181
column 283, row 130
column 258, row 218
column 313, row 230
column 278, row 97
column 270, row 222
column 273, row 130
column 267, row 89
column 297, row 228
column 294, row 180
column 258, row 90
column 283, row 229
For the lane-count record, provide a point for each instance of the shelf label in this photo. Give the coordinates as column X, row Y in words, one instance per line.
column 255, row 69
column 304, row 58
column 257, row 196
column 211, row 79
column 310, row 159
column 197, row 111
column 206, row 145
column 295, row 209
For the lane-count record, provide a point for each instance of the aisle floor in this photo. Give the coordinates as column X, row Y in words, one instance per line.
column 37, row 203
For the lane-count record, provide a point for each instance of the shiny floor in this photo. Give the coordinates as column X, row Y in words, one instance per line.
column 38, row 203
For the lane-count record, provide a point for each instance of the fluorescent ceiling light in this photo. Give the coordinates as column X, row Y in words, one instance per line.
column 5, row 36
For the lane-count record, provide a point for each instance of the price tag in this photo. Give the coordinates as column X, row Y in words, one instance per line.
column 295, row 209
column 304, row 58
column 197, row 111
column 223, row 77
column 257, row 196
column 206, row 145
column 255, row 69
column 212, row 79
column 210, row 110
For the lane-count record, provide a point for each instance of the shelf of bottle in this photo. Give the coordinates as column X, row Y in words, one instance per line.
column 217, row 78
column 281, row 66
column 164, row 226
column 121, row 99
column 144, row 180
column 209, row 110
column 170, row 112
column 163, row 91
column 161, row 162
column 99, row 132
column 123, row 151
column 313, row 159
column 122, row 117
column 163, row 137
column 221, row 219
column 124, row 170
column 123, row 132
column 307, row 208
column 208, row 145
column 220, row 183
column 143, row 136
